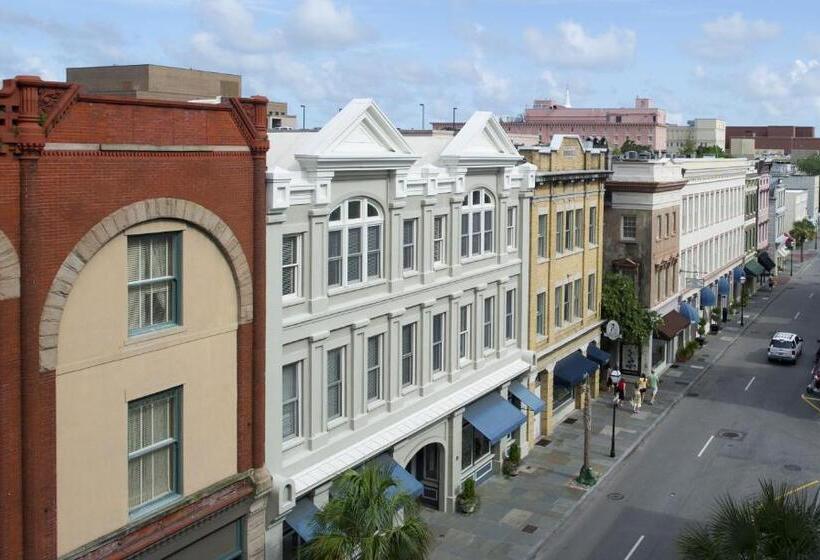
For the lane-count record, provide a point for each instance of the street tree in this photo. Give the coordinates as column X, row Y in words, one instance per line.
column 715, row 151
column 802, row 231
column 779, row 523
column 809, row 165
column 689, row 148
column 619, row 302
column 629, row 145
column 365, row 520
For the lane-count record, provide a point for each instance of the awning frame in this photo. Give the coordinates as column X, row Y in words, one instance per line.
column 530, row 399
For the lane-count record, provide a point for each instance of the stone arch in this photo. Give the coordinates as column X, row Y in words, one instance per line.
column 116, row 223
column 410, row 452
column 9, row 269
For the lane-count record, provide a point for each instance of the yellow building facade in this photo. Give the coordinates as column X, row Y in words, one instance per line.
column 566, row 257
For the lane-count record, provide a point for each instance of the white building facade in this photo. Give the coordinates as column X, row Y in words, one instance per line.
column 404, row 282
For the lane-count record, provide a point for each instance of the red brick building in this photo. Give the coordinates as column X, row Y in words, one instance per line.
column 786, row 138
column 81, row 178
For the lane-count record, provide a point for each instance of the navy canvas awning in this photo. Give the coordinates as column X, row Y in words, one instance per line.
column 493, row 416
column 527, row 397
column 707, row 297
column 404, row 480
column 597, row 355
column 300, row 519
column 573, row 369
column 738, row 273
column 689, row 312
column 765, row 261
column 723, row 287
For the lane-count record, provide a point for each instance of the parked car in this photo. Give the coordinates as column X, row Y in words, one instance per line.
column 785, row 347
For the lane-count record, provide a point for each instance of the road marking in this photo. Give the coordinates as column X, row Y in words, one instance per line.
column 749, row 384
column 706, row 445
column 634, row 548
column 696, row 367
column 796, row 316
column 808, row 400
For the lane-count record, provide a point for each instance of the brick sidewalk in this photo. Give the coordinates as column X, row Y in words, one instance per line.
column 517, row 515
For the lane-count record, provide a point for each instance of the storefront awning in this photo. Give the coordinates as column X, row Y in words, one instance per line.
column 493, row 416
column 301, row 517
column 754, row 269
column 527, row 397
column 573, row 369
column 707, row 297
column 738, row 273
column 765, row 261
column 689, row 312
column 723, row 287
column 673, row 323
column 597, row 355
column 404, row 480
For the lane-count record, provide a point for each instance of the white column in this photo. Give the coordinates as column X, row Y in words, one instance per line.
column 392, row 379
column 425, row 240
column 316, row 265
column 314, row 383
column 393, row 245
column 357, row 389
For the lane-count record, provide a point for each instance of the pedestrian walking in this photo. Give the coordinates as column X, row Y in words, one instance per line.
column 621, row 389
column 636, row 400
column 653, row 386
column 642, row 383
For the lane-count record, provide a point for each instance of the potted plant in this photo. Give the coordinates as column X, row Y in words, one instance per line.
column 714, row 326
column 513, row 460
column 467, row 501
column 701, row 338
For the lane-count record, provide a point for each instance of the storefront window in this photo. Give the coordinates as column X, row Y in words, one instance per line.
column 658, row 352
column 474, row 446
column 561, row 393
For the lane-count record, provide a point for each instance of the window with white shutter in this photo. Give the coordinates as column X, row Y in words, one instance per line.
column 153, row 450
column 354, row 251
column 335, row 383
column 291, row 393
column 153, row 290
column 477, row 234
column 374, row 368
column 291, row 265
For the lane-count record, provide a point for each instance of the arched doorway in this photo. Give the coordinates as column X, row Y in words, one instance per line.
column 427, row 466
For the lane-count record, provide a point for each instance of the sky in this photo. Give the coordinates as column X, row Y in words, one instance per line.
column 748, row 62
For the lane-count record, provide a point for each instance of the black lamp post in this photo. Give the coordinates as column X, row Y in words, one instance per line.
column 615, row 376
column 791, row 262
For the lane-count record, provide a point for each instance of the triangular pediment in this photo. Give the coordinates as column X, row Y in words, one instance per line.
column 481, row 136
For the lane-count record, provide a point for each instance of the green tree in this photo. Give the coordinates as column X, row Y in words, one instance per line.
column 629, row 145
column 716, row 151
column 777, row 524
column 619, row 302
column 363, row 521
column 689, row 148
column 809, row 165
column 802, row 231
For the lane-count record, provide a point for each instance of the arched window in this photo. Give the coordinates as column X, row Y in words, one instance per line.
column 477, row 223
column 354, row 252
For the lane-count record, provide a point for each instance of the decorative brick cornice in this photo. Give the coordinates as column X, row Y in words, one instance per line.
column 9, row 269
column 113, row 225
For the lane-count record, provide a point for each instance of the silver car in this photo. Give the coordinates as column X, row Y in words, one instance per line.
column 785, row 347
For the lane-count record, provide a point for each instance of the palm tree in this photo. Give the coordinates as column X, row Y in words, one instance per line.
column 802, row 231
column 367, row 520
column 780, row 523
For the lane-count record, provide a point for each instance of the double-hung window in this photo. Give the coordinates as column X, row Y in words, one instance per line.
column 629, row 226
column 408, row 245
column 354, row 248
column 440, row 239
column 542, row 235
column 559, row 232
column 579, row 228
column 408, row 354
column 512, row 225
column 291, row 265
column 509, row 315
column 540, row 314
column 559, row 291
column 439, row 326
column 153, row 281
column 592, row 236
column 568, row 230
column 335, row 383
column 374, row 368
column 291, row 382
column 464, row 331
column 153, row 449
column 576, row 299
column 489, row 323
column 567, row 304
column 591, row 289
column 477, row 223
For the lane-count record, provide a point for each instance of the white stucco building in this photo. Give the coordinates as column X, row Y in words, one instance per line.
column 797, row 205
column 404, row 287
column 701, row 132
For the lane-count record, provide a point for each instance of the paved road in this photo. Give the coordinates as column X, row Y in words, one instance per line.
column 673, row 477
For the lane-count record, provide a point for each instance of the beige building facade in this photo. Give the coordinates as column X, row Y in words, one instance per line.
column 701, row 132
column 566, row 251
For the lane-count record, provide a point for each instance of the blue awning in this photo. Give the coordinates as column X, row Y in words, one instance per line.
column 723, row 287
column 738, row 273
column 597, row 355
column 493, row 416
column 707, row 297
column 405, row 481
column 574, row 368
column 300, row 519
column 527, row 397
column 689, row 312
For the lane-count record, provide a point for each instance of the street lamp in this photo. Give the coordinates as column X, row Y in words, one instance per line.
column 742, row 282
column 422, row 115
column 615, row 376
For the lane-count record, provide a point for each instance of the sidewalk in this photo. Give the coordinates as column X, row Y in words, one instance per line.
column 517, row 515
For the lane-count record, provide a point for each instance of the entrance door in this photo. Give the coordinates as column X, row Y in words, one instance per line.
column 425, row 467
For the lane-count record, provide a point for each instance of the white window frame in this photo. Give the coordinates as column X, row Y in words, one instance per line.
column 464, row 324
column 592, row 287
column 634, row 227
column 541, row 314
column 509, row 314
column 577, row 310
column 569, row 239
column 440, row 241
column 140, row 288
column 559, row 232
column 343, row 225
column 488, row 330
column 543, row 235
column 338, row 385
column 408, row 247
column 512, row 228
column 438, row 346
column 579, row 228
column 377, row 368
column 408, row 356
column 296, row 401
column 295, row 266
column 558, row 306
column 480, row 239
column 593, row 225
column 567, row 303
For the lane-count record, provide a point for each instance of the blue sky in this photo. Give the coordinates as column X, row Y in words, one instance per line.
column 749, row 62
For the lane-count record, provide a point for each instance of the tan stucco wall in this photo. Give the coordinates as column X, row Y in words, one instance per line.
column 100, row 370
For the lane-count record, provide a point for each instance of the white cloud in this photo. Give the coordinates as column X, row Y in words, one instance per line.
column 320, row 23
column 573, row 47
column 780, row 92
column 727, row 37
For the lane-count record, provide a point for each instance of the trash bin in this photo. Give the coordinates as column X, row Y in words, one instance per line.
column 725, row 314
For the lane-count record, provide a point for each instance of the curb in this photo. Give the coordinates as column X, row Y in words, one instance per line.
column 634, row 445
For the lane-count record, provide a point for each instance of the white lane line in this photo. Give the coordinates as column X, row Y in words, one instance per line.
column 634, row 548
column 696, row 367
column 796, row 316
column 749, row 384
column 706, row 445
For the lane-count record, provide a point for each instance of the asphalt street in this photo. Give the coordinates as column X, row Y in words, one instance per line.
column 674, row 476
